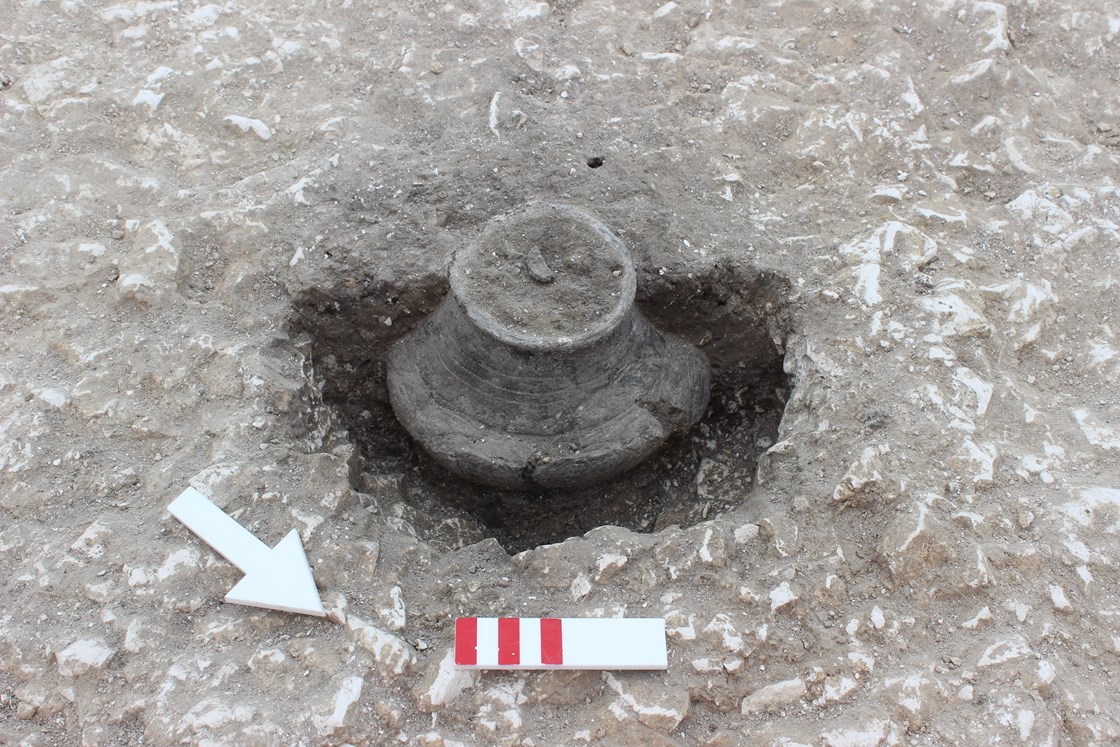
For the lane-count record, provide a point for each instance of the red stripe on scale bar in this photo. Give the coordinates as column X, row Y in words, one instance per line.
column 466, row 641
column 552, row 641
column 509, row 640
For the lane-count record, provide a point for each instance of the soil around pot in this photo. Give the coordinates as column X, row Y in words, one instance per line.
column 737, row 315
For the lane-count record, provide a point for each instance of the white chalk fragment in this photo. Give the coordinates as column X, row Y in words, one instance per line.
column 83, row 655
column 1004, row 650
column 984, row 615
column 781, row 595
column 1059, row 599
column 494, row 112
column 1094, row 432
column 775, row 696
column 151, row 98
column 344, row 700
column 246, row 124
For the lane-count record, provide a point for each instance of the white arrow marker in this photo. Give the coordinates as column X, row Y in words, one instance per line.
column 278, row 578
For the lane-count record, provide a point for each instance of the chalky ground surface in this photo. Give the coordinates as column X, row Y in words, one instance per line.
column 927, row 551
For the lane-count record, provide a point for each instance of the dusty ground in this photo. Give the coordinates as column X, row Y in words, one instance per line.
column 216, row 217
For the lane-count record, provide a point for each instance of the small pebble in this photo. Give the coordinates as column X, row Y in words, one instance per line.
column 538, row 268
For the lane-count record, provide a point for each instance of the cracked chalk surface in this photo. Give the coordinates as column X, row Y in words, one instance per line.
column 926, row 553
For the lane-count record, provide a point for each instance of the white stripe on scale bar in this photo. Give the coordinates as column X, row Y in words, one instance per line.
column 530, row 642
column 487, row 642
column 615, row 643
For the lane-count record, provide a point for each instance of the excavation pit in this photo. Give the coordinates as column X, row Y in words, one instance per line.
column 737, row 315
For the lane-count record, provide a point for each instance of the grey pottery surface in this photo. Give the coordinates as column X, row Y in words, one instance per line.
column 544, row 375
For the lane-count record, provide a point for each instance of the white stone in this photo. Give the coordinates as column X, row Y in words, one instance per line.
column 863, row 478
column 580, row 586
column 247, row 124
column 680, row 626
column 393, row 655
column 1059, row 599
column 746, row 533
column 713, row 550
column 83, row 655
column 873, row 733
column 722, row 629
column 654, row 705
column 836, row 689
column 213, row 714
column 349, row 691
column 184, row 557
column 395, row 616
column 1095, row 432
column 782, row 595
column 608, row 565
column 91, row 543
column 775, row 696
column 984, row 615
column 1003, row 651
column 449, row 682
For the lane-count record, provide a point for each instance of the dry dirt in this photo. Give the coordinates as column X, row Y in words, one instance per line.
column 894, row 226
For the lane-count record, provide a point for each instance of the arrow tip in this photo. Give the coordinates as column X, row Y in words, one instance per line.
column 285, row 583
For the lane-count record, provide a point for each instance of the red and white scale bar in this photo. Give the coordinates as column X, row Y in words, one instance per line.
column 560, row 643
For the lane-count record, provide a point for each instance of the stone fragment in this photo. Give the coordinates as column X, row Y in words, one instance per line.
column 863, row 485
column 781, row 533
column 609, row 564
column 499, row 720
column 392, row 655
column 565, row 688
column 444, row 684
column 775, row 696
column 538, row 268
column 248, row 124
column 955, row 317
column 580, row 587
column 723, row 631
column 781, row 596
column 83, row 655
column 652, row 703
column 138, row 636
column 1038, row 675
column 91, row 543
column 679, row 626
column 211, row 716
column 394, row 615
column 712, row 547
column 984, row 615
column 871, row 732
column 918, row 697
column 435, row 739
column 271, row 661
column 836, row 689
column 342, row 705
column 1004, row 650
column 746, row 533
column 1058, row 598
column 915, row 543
